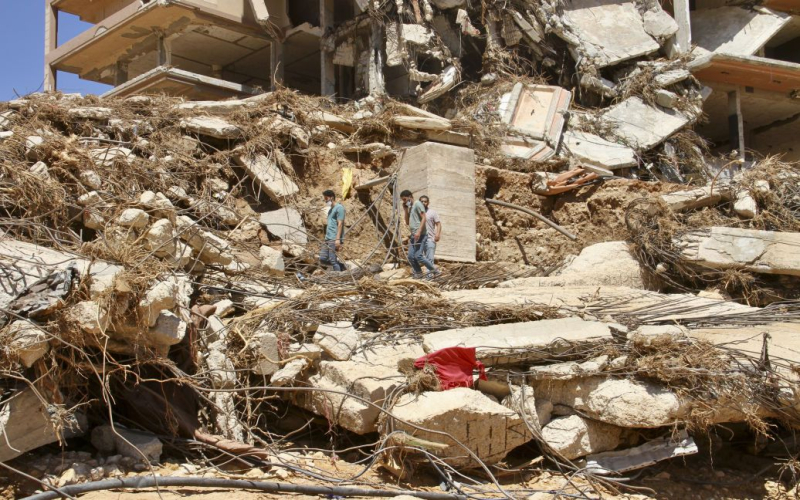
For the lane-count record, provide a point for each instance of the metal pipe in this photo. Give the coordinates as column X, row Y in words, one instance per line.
column 533, row 214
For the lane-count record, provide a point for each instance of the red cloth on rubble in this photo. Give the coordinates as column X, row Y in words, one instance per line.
column 453, row 366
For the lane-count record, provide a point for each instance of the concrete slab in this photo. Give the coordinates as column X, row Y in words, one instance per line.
column 518, row 342
column 594, row 150
column 748, row 249
column 339, row 340
column 642, row 126
column 484, row 427
column 536, row 111
column 212, row 127
column 735, row 30
column 612, row 31
column 447, row 174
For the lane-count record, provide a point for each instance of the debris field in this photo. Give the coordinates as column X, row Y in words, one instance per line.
column 614, row 296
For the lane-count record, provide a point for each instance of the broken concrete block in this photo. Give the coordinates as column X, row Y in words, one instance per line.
column 161, row 296
column 609, row 32
column 371, row 383
column 6, row 135
column 625, row 403
column 160, row 238
column 27, row 341
column 642, row 126
column 265, row 345
column 93, row 220
column 679, row 201
column 221, row 369
column 671, row 77
column 91, row 112
column 91, row 179
column 487, row 429
column 217, row 107
column 659, row 24
column 536, row 412
column 213, row 250
column 594, row 150
column 338, row 340
column 138, row 445
column 271, row 260
column 90, row 199
column 286, row 224
column 157, row 202
column 27, row 423
column 168, row 330
column 446, row 81
column 574, row 436
column 745, row 205
column 133, row 217
column 106, row 157
column 748, row 249
column 6, row 120
column 666, row 98
column 90, row 317
column 268, row 176
column 281, row 126
column 448, row 4
column 416, row 34
column 518, row 342
column 212, row 127
column 289, row 373
column 40, row 170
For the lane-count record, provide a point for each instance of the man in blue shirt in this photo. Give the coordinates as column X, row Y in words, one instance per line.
column 334, row 232
column 415, row 218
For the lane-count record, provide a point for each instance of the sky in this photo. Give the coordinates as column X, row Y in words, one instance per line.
column 22, row 50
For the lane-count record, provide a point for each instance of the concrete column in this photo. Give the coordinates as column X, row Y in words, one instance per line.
column 736, row 122
column 328, row 73
column 120, row 73
column 682, row 17
column 164, row 49
column 276, row 62
column 50, row 44
column 377, row 85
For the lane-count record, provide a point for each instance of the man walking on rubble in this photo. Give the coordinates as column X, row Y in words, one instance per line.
column 416, row 220
column 433, row 228
column 334, row 232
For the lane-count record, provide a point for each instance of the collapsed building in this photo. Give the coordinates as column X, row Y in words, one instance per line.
column 619, row 246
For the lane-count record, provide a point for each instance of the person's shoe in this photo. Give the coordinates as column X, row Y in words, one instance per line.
column 416, row 276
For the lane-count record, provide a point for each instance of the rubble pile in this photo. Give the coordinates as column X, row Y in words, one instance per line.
column 162, row 293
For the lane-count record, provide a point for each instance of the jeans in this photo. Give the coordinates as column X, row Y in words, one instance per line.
column 327, row 256
column 417, row 256
column 430, row 249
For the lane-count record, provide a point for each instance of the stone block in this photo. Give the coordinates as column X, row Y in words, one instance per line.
column 271, row 260
column 107, row 157
column 289, row 373
column 137, row 444
column 168, row 330
column 265, row 345
column 133, row 217
column 484, row 427
column 338, row 340
column 574, row 436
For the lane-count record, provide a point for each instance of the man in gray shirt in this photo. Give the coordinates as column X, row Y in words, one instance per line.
column 433, row 228
column 415, row 218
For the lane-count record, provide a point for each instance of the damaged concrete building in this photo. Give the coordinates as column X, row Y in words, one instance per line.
column 608, row 299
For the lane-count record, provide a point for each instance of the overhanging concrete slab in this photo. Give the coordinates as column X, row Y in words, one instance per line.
column 748, row 71
column 176, row 82
column 735, row 30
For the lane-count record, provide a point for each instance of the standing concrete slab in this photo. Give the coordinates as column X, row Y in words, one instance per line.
column 447, row 175
column 286, row 224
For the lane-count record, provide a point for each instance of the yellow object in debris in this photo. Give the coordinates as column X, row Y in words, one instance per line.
column 347, row 181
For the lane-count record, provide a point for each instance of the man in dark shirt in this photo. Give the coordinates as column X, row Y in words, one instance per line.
column 334, row 232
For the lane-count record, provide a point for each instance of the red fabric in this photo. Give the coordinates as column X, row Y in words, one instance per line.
column 453, row 366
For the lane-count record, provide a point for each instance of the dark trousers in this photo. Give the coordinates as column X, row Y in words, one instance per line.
column 327, row 256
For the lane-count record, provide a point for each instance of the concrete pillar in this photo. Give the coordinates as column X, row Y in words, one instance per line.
column 50, row 44
column 164, row 49
column 682, row 17
column 736, row 122
column 276, row 62
column 377, row 85
column 328, row 73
